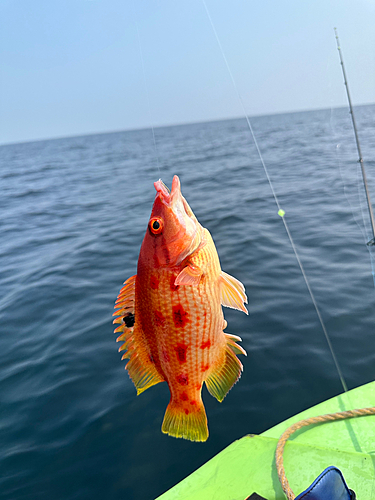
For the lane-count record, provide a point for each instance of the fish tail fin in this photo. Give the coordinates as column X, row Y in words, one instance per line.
column 187, row 423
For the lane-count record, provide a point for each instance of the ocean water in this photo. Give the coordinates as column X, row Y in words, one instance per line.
column 73, row 215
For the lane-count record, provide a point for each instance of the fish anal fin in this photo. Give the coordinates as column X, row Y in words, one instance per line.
column 190, row 275
column 222, row 379
column 187, row 423
column 231, row 342
column 232, row 292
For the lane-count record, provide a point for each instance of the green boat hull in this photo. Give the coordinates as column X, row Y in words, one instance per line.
column 248, row 465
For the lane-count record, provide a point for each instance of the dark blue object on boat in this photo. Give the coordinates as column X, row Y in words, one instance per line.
column 329, row 485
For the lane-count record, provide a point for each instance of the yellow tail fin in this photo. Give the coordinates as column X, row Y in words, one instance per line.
column 186, row 423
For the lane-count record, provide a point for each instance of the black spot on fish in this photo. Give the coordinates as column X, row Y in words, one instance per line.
column 129, row 320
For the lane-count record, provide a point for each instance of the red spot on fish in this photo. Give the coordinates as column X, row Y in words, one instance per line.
column 179, row 316
column 172, row 284
column 186, row 411
column 184, row 396
column 193, row 403
column 183, row 379
column 159, row 318
column 166, row 356
column 198, row 387
column 154, row 283
column 206, row 344
column 165, row 251
column 155, row 257
column 181, row 352
column 205, row 368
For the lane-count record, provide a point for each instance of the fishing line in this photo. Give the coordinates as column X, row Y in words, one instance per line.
column 366, row 239
column 361, row 164
column 281, row 212
column 365, row 236
column 360, row 158
column 362, row 228
column 345, row 187
column 339, row 163
column 146, row 89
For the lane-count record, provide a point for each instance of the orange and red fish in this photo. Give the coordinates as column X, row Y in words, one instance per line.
column 171, row 317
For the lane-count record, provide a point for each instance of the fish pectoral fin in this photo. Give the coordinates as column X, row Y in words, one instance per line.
column 232, row 292
column 223, row 378
column 187, row 423
column 190, row 275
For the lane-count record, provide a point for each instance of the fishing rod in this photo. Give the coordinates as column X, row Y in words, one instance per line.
column 280, row 212
column 360, row 159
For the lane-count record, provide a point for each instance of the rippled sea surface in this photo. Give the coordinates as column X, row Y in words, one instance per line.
column 73, row 215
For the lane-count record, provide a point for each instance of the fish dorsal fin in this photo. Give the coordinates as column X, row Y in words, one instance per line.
column 190, row 275
column 140, row 367
column 223, row 378
column 125, row 302
column 232, row 292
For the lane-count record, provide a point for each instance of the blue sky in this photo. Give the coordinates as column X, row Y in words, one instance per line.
column 72, row 67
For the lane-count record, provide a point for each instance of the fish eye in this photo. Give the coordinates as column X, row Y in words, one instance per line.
column 156, row 225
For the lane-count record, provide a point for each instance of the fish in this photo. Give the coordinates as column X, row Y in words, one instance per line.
column 171, row 319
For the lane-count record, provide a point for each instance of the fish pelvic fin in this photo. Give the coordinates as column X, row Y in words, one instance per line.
column 140, row 366
column 223, row 378
column 232, row 292
column 187, row 423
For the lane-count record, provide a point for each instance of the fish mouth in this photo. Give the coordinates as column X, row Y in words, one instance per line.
column 165, row 194
column 185, row 232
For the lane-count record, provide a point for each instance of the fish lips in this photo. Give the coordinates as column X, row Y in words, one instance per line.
column 180, row 222
column 166, row 196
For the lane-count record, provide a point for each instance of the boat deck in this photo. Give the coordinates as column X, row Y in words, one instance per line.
column 248, row 465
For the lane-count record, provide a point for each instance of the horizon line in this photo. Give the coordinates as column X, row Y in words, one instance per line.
column 149, row 127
